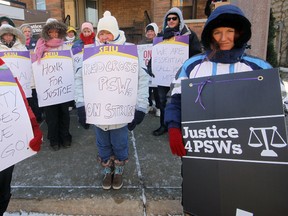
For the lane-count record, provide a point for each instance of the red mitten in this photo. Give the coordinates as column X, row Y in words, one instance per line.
column 176, row 142
column 35, row 143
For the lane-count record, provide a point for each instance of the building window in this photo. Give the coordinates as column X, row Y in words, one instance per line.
column 188, row 8
column 40, row 4
column 92, row 12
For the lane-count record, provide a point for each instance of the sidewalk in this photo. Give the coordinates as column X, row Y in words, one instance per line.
column 68, row 181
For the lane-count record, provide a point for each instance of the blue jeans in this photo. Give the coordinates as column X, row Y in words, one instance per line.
column 112, row 143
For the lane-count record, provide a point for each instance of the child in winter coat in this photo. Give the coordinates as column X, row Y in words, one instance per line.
column 34, row 144
column 87, row 39
column 112, row 140
column 57, row 116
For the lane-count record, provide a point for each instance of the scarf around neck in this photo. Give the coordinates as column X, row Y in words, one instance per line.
column 9, row 45
column 27, row 41
column 89, row 39
column 70, row 39
column 227, row 56
column 44, row 46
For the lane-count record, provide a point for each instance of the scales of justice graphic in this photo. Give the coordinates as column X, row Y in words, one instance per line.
column 258, row 132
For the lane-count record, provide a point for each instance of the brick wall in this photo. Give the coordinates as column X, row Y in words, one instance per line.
column 197, row 27
column 160, row 7
column 55, row 7
column 280, row 12
column 29, row 3
column 127, row 12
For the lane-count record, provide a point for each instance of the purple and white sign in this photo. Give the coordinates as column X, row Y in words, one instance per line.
column 167, row 57
column 14, row 141
column 19, row 63
column 110, row 82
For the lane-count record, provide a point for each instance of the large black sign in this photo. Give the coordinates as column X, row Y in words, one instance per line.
column 237, row 158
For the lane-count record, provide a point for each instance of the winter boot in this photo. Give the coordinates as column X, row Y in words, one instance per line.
column 108, row 172
column 117, row 179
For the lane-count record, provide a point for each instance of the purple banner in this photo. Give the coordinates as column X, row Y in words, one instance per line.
column 110, row 49
column 6, row 75
column 76, row 50
column 53, row 54
column 12, row 54
column 182, row 39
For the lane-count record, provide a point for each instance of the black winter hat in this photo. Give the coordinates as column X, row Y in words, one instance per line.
column 149, row 27
column 7, row 19
column 227, row 16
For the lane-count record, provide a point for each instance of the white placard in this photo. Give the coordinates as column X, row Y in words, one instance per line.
column 144, row 55
column 168, row 57
column 54, row 78
column 110, row 81
column 19, row 63
column 14, row 141
column 78, row 64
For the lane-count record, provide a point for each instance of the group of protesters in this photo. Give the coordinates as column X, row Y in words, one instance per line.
column 111, row 139
column 224, row 38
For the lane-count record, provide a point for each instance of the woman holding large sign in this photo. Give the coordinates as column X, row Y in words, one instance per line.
column 224, row 37
column 57, row 113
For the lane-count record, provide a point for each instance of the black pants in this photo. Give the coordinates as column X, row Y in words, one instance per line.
column 5, row 188
column 162, row 92
column 33, row 103
column 58, row 121
column 153, row 94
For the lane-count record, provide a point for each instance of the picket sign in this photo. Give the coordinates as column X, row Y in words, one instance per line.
column 14, row 141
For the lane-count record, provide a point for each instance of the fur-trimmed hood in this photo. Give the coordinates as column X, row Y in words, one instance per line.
column 61, row 27
column 6, row 28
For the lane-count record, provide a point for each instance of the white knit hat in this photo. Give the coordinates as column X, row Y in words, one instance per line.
column 49, row 20
column 108, row 23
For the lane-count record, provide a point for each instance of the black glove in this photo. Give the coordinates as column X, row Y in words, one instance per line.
column 138, row 118
column 82, row 117
column 168, row 33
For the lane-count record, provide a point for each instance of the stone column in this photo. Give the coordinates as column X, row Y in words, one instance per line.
column 258, row 12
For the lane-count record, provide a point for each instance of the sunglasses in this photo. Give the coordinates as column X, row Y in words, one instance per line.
column 173, row 18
